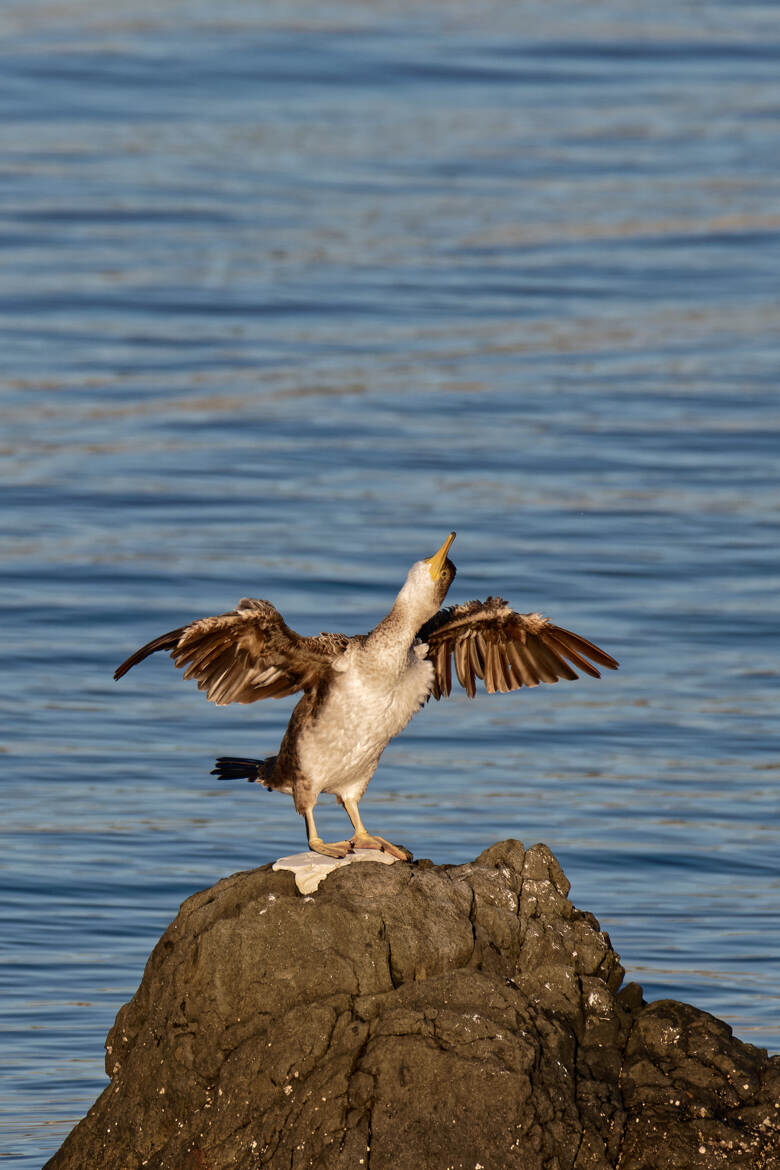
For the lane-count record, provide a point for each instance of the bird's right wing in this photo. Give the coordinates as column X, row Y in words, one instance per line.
column 507, row 650
column 245, row 655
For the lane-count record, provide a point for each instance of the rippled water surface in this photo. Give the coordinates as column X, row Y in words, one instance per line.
column 286, row 293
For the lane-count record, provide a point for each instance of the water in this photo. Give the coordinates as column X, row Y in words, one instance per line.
column 285, row 298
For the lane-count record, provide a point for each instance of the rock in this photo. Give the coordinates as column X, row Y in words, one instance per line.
column 415, row 1017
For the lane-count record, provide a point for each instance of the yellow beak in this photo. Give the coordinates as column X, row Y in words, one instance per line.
column 436, row 562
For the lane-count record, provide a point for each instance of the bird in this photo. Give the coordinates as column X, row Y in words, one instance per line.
column 361, row 690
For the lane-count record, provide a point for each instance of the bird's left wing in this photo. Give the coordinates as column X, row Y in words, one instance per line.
column 507, row 650
column 245, row 655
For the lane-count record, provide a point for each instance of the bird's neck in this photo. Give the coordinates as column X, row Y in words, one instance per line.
column 396, row 632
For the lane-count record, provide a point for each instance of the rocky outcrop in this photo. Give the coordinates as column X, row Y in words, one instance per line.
column 415, row 1017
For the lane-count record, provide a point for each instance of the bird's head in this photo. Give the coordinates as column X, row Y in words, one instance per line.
column 427, row 582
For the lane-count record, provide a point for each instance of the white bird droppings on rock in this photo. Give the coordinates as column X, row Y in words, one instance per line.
column 311, row 868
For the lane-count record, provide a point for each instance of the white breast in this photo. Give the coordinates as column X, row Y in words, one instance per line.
column 365, row 707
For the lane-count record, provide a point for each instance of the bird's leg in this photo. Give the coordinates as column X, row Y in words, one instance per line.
column 365, row 840
column 317, row 845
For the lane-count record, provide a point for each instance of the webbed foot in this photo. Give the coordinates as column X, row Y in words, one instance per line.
column 371, row 841
column 330, row 849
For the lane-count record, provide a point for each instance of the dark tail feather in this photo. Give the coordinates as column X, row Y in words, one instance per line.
column 165, row 642
column 236, row 768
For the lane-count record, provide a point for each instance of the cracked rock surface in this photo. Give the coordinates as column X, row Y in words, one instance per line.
column 415, row 1016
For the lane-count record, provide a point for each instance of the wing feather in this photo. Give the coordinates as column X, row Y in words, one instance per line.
column 507, row 650
column 521, row 668
column 556, row 659
column 578, row 649
column 463, row 667
column 477, row 650
column 245, row 655
column 446, row 673
column 529, row 664
column 543, row 662
column 442, row 675
column 500, row 677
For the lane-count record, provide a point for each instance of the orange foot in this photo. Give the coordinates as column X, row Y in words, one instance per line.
column 370, row 841
column 332, row 849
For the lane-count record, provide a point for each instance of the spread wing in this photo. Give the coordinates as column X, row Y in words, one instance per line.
column 245, row 655
column 507, row 650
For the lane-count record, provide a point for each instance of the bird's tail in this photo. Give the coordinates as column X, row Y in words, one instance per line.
column 238, row 768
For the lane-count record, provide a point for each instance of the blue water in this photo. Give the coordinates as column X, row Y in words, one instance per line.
column 285, row 295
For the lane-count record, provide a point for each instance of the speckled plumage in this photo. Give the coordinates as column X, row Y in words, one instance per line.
column 361, row 691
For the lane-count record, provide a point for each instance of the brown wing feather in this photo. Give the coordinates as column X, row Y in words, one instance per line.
column 245, row 655
column 508, row 650
column 522, row 667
